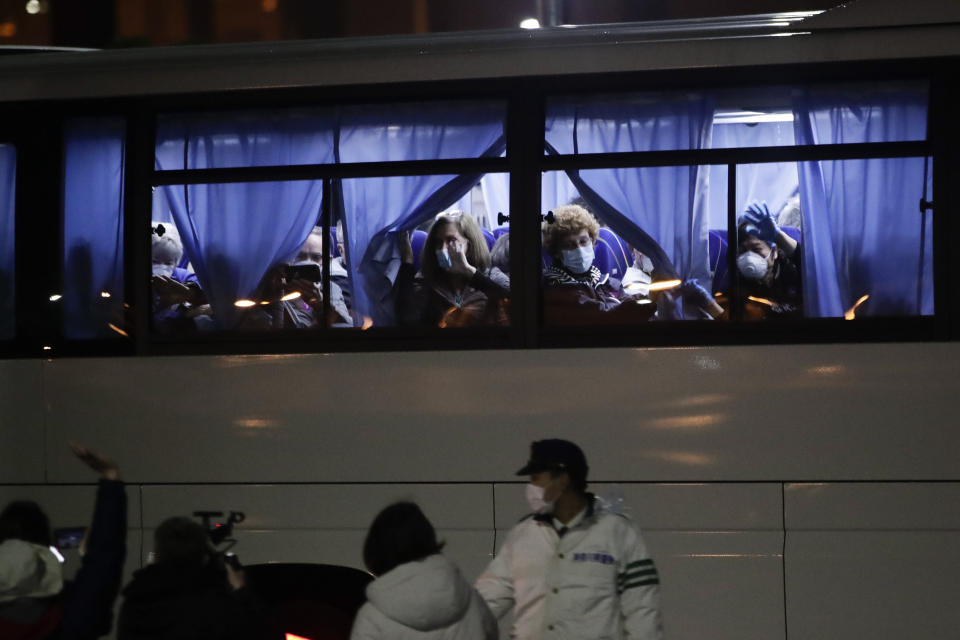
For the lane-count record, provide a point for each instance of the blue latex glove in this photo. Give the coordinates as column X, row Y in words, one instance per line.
column 694, row 293
column 762, row 223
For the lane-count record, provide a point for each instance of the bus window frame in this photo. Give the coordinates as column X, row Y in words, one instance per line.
column 525, row 100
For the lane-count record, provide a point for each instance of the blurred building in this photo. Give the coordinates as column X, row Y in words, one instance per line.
column 126, row 23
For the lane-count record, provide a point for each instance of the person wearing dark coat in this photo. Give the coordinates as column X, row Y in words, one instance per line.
column 35, row 602
column 185, row 595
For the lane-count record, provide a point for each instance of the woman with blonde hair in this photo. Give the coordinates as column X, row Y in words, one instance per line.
column 457, row 286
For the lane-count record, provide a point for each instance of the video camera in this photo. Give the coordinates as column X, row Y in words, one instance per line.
column 220, row 534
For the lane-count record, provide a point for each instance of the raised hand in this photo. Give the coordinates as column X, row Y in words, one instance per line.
column 104, row 466
column 765, row 227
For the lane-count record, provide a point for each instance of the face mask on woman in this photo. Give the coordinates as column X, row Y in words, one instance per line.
column 578, row 260
column 752, row 265
column 536, row 501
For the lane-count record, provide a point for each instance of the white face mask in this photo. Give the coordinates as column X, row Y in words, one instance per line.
column 162, row 269
column 443, row 259
column 536, row 501
column 578, row 260
column 752, row 265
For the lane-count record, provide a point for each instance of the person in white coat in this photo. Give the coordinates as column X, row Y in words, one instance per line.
column 572, row 569
column 418, row 593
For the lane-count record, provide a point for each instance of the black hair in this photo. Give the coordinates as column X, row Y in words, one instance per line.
column 25, row 520
column 399, row 534
column 181, row 542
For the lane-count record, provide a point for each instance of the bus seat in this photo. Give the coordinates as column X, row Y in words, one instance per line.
column 489, row 237
column 619, row 251
column 499, row 231
column 605, row 260
column 417, row 239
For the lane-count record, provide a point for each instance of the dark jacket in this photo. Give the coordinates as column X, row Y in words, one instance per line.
column 589, row 298
column 84, row 609
column 483, row 302
column 174, row 603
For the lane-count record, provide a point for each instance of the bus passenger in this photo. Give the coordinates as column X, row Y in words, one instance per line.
column 177, row 296
column 769, row 263
column 457, row 286
column 417, row 593
column 500, row 253
column 290, row 293
column 575, row 291
column 312, row 253
column 339, row 274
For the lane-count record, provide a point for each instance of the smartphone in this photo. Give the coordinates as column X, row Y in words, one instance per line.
column 303, row 271
column 68, row 537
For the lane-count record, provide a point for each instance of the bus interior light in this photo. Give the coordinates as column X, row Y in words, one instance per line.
column 664, row 284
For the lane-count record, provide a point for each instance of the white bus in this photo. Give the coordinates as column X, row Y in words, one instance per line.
column 791, row 458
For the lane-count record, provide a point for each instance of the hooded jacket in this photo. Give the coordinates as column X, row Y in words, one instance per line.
column 40, row 606
column 424, row 600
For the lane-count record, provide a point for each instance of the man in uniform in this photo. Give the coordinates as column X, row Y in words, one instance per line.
column 572, row 569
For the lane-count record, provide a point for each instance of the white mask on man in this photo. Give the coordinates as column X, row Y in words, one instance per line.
column 536, row 501
column 578, row 260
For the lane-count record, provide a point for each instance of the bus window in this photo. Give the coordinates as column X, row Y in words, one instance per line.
column 356, row 133
column 227, row 257
column 420, row 250
column 629, row 123
column 93, row 188
column 630, row 245
column 854, row 243
column 8, row 172
column 738, row 118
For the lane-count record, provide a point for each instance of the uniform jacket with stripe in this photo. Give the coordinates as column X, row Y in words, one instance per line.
column 593, row 579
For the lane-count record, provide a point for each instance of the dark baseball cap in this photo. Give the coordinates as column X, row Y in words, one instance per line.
column 555, row 455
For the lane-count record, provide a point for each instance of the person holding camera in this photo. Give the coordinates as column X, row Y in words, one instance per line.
column 188, row 591
column 36, row 603
column 291, row 293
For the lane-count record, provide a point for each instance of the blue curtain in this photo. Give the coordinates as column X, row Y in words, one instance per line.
column 774, row 182
column 374, row 210
column 233, row 233
column 659, row 210
column 8, row 176
column 93, row 296
column 245, row 139
column 863, row 231
column 377, row 209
